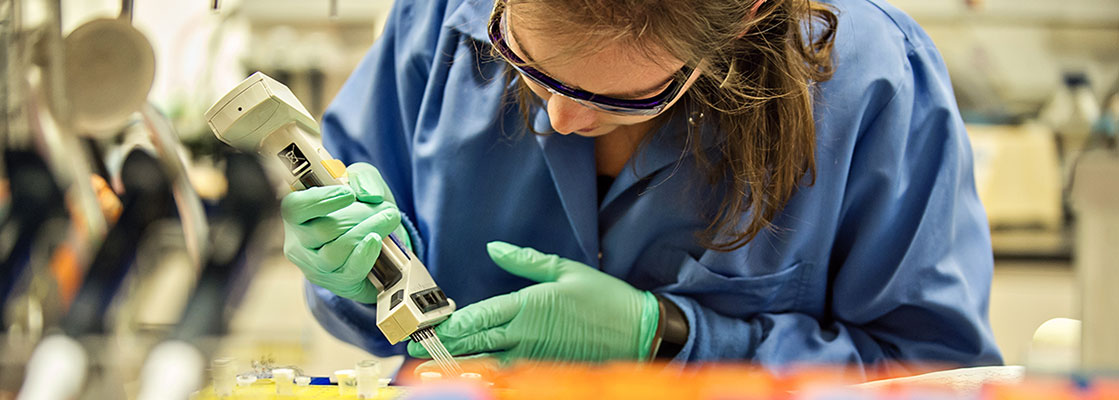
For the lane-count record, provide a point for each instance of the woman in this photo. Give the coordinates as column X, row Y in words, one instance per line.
column 771, row 181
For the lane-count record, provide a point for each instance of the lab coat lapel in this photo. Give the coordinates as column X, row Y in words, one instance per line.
column 666, row 150
column 571, row 162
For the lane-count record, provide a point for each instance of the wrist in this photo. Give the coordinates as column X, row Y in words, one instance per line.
column 672, row 331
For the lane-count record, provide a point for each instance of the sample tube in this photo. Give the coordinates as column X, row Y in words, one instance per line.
column 283, row 378
column 245, row 380
column 475, row 379
column 225, row 375
column 367, row 373
column 346, row 381
column 474, row 376
column 430, row 376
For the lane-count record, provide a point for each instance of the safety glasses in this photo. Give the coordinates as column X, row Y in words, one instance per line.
column 498, row 31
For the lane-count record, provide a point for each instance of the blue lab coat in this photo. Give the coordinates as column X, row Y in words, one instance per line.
column 885, row 260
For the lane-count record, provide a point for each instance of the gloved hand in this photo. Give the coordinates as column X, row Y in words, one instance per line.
column 575, row 313
column 333, row 233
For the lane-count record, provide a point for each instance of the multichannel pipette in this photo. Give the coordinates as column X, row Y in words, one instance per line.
column 263, row 115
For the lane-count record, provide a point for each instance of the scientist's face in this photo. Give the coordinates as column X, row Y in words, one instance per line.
column 615, row 71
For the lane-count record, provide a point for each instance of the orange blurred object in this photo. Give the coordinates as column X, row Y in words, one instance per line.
column 66, row 263
column 1104, row 390
column 731, row 381
column 1035, row 390
column 728, row 381
column 110, row 203
column 636, row 381
column 67, row 273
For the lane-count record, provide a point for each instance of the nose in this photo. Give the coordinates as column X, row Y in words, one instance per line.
column 568, row 116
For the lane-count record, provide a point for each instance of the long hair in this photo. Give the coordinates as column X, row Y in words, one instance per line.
column 757, row 86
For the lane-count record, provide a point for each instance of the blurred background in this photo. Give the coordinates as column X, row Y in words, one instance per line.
column 1036, row 81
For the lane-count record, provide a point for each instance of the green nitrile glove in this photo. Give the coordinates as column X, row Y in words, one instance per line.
column 575, row 313
column 333, row 233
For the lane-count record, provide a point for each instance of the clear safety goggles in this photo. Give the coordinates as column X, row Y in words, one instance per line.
column 498, row 31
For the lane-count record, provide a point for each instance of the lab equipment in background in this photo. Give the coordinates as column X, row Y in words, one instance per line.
column 1071, row 113
column 174, row 368
column 57, row 370
column 5, row 43
column 147, row 199
column 35, row 200
column 1055, row 348
column 1017, row 175
column 263, row 116
column 35, row 221
column 176, row 162
column 1073, row 109
column 1095, row 199
column 110, row 68
column 39, row 113
column 1108, row 127
column 94, row 79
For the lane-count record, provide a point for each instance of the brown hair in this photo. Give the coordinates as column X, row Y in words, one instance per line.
column 758, row 86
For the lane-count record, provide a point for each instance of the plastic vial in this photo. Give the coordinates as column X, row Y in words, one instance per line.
column 283, row 378
column 346, row 381
column 367, row 373
column 246, row 380
column 225, row 374
column 475, row 378
column 302, row 380
column 430, row 376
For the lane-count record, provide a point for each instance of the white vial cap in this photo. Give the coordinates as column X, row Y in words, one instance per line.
column 283, row 374
column 347, row 385
column 303, row 380
column 368, row 368
column 428, row 376
column 246, row 380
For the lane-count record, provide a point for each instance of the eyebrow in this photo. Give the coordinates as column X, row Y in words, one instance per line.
column 648, row 92
column 632, row 94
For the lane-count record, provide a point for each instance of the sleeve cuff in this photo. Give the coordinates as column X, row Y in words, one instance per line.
column 349, row 321
column 414, row 240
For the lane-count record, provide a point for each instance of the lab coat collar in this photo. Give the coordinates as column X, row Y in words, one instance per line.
column 571, row 163
column 471, row 18
column 667, row 149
